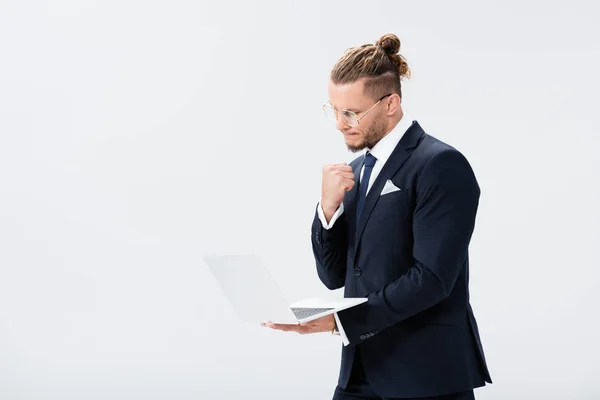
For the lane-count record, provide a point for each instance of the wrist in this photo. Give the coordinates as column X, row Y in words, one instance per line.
column 329, row 209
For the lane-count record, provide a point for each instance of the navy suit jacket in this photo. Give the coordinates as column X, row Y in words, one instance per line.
column 408, row 254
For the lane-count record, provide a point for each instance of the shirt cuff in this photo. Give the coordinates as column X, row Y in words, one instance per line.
column 337, row 214
column 341, row 330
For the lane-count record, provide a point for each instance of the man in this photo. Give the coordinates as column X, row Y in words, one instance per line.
column 394, row 226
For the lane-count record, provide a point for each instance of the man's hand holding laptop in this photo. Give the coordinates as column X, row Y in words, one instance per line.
column 323, row 324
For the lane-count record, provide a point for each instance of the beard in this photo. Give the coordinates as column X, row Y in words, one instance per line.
column 371, row 137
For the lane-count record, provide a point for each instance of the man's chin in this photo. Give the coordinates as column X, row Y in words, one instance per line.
column 354, row 149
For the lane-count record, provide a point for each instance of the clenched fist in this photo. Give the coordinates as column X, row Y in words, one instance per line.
column 337, row 180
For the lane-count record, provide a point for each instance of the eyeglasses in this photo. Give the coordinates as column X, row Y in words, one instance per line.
column 349, row 117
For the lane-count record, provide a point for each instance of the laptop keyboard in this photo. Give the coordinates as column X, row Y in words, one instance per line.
column 301, row 313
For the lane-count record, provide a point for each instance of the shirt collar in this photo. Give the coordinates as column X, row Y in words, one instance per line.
column 386, row 145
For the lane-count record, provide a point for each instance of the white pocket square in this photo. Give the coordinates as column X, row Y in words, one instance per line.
column 389, row 188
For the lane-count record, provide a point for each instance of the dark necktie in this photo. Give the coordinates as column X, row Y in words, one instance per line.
column 364, row 183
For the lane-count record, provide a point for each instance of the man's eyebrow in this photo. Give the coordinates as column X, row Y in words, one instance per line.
column 354, row 110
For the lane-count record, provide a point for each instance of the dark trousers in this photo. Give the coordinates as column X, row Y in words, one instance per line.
column 359, row 389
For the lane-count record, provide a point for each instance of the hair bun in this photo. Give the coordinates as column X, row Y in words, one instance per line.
column 389, row 43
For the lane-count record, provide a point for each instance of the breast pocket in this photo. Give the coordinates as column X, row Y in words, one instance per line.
column 398, row 198
column 393, row 193
column 395, row 206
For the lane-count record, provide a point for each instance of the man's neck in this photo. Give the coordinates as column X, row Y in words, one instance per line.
column 394, row 121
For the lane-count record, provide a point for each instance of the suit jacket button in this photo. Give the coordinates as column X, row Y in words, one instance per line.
column 358, row 272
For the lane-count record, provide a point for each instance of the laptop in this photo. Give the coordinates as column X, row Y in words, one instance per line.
column 256, row 298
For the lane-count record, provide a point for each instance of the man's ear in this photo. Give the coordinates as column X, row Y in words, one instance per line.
column 393, row 103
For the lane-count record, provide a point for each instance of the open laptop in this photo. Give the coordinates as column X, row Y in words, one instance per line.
column 256, row 297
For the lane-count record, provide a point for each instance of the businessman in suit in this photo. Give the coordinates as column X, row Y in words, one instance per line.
column 394, row 226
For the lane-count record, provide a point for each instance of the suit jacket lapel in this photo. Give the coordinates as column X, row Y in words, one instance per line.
column 393, row 164
column 350, row 198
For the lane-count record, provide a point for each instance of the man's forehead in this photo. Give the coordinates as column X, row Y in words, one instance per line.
column 346, row 95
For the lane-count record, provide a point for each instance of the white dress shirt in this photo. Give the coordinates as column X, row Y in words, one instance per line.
column 382, row 152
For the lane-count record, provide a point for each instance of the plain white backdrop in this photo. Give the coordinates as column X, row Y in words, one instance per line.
column 135, row 136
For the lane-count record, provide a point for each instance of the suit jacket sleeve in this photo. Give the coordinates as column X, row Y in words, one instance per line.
column 329, row 248
column 447, row 197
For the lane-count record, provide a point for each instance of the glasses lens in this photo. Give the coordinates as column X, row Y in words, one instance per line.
column 329, row 111
column 349, row 117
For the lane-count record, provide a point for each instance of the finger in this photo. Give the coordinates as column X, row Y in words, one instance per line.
column 288, row 327
column 344, row 174
column 315, row 323
column 343, row 168
column 284, row 327
column 337, row 164
column 348, row 184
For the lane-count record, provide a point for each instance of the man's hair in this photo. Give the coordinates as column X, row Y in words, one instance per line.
column 379, row 65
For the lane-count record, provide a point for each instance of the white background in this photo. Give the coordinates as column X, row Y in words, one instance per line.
column 135, row 136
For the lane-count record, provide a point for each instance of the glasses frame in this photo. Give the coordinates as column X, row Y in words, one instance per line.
column 351, row 113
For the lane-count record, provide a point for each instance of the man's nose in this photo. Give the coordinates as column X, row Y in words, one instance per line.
column 340, row 123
